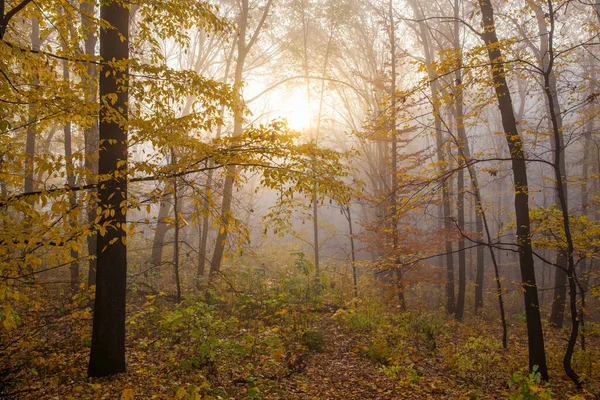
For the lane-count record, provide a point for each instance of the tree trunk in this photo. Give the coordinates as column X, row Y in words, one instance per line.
column 352, row 253
column 535, row 334
column 480, row 266
column 74, row 267
column 561, row 193
column 107, row 355
column 162, row 227
column 462, row 145
column 90, row 136
column 176, row 235
column 446, row 209
column 460, row 300
column 203, row 239
column 553, row 107
column 31, row 128
column 243, row 47
column 238, row 117
column 394, row 167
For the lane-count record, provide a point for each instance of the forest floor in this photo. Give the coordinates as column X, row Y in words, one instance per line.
column 274, row 352
column 340, row 372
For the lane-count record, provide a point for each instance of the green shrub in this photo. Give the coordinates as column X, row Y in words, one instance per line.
column 406, row 374
column 365, row 318
column 378, row 349
column 201, row 338
column 530, row 387
column 477, row 360
column 425, row 329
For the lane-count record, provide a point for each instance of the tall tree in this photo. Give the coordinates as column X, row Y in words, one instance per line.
column 554, row 111
column 428, row 50
column 107, row 355
column 31, row 129
column 67, row 131
column 535, row 334
column 243, row 48
column 90, row 134
column 394, row 166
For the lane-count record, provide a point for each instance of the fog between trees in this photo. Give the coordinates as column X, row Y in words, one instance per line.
column 176, row 158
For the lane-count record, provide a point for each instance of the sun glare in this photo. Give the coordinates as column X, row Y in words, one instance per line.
column 295, row 109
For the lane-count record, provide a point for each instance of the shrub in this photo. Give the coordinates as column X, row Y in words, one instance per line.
column 406, row 374
column 378, row 349
column 426, row 328
column 477, row 359
column 530, row 387
column 313, row 340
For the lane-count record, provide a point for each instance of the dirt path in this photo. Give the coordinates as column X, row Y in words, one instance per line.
column 338, row 372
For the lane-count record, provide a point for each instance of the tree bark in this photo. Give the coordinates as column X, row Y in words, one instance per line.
column 535, row 334
column 561, row 192
column 107, row 355
column 553, row 107
column 479, row 275
column 203, row 239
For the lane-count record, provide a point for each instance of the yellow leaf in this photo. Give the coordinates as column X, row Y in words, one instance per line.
column 180, row 395
column 127, row 394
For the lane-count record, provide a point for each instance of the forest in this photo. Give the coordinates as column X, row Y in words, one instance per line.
column 299, row 199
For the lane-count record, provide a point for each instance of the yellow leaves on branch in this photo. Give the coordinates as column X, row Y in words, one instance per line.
column 47, row 225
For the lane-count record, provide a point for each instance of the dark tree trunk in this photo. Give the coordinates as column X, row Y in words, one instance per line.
column 561, row 194
column 535, row 334
column 556, row 125
column 107, row 356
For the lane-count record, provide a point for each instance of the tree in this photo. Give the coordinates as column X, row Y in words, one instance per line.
column 535, row 334
column 434, row 87
column 243, row 48
column 107, row 354
column 90, row 134
column 394, row 157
